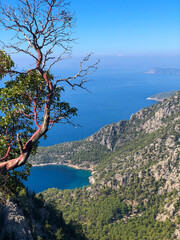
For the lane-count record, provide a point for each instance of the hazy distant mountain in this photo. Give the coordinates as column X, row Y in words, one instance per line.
column 167, row 71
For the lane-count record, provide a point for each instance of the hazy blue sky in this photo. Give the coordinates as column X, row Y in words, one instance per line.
column 128, row 26
column 124, row 29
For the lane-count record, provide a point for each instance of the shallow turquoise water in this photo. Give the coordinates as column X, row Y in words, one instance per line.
column 61, row 177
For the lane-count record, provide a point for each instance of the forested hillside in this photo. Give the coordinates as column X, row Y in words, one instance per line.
column 25, row 216
column 134, row 191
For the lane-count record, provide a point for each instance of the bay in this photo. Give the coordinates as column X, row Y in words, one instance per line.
column 55, row 176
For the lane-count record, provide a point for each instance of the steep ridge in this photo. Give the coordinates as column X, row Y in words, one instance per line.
column 111, row 138
column 134, row 192
column 23, row 216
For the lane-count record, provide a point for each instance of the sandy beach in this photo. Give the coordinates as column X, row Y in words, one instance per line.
column 64, row 164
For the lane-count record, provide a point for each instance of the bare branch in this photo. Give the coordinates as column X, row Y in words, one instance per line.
column 82, row 74
column 39, row 27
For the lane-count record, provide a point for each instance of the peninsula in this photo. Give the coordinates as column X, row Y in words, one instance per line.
column 161, row 96
column 164, row 71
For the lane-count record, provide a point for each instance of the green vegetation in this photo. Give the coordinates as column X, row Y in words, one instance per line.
column 36, row 213
column 135, row 194
column 31, row 97
column 135, row 190
column 111, row 214
column 161, row 96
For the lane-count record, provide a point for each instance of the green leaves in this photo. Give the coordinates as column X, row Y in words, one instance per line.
column 23, row 99
column 29, row 104
column 5, row 63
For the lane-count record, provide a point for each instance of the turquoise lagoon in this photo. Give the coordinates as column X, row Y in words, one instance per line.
column 55, row 176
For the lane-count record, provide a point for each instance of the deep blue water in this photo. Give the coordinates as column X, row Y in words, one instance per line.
column 61, row 177
column 114, row 96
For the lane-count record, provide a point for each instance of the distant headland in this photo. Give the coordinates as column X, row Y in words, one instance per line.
column 161, row 96
column 164, row 71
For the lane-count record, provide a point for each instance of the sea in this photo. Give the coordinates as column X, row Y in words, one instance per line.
column 54, row 176
column 112, row 96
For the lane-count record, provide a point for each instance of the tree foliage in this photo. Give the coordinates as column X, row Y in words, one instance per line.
column 31, row 100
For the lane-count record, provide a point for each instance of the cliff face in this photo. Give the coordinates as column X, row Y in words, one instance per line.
column 150, row 137
column 24, row 216
column 147, row 120
column 15, row 224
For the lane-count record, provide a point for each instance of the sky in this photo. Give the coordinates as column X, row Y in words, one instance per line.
column 120, row 31
column 128, row 27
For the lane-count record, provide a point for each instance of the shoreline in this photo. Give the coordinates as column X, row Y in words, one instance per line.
column 63, row 164
column 154, row 99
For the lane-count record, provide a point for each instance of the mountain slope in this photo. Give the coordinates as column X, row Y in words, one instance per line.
column 23, row 216
column 145, row 124
column 135, row 180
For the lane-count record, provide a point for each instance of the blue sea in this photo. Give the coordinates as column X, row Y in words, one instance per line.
column 114, row 96
column 54, row 176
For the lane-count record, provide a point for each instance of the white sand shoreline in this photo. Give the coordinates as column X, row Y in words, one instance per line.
column 155, row 99
column 63, row 164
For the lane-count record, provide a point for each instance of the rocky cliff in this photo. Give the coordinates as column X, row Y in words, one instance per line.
column 24, row 216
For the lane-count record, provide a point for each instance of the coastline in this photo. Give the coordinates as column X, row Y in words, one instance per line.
column 64, row 164
column 91, row 168
column 154, row 99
